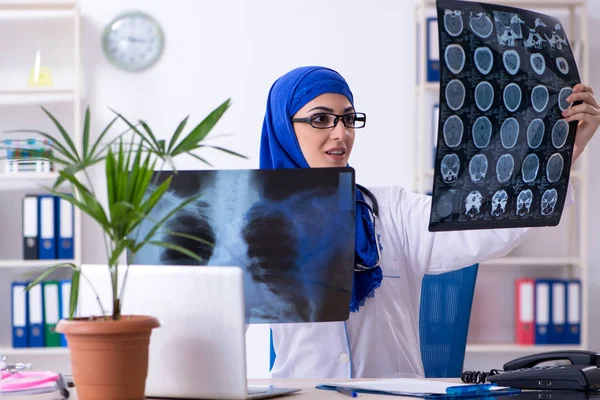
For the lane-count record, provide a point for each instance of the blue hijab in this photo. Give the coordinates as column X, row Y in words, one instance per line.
column 279, row 148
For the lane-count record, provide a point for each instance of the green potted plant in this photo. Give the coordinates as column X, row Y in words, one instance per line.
column 109, row 352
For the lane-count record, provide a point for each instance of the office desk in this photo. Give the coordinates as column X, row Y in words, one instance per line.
column 309, row 391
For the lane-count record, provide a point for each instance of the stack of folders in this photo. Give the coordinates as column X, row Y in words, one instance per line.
column 548, row 311
column 47, row 228
column 36, row 312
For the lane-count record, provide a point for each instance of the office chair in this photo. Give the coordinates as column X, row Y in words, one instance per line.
column 272, row 351
column 444, row 316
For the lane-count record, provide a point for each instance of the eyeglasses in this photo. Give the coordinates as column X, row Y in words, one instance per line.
column 329, row 120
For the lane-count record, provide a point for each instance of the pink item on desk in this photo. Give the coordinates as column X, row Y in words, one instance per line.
column 14, row 381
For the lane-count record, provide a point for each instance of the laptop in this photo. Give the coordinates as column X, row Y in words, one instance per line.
column 199, row 350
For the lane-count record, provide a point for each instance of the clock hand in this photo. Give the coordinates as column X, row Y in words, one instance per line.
column 136, row 40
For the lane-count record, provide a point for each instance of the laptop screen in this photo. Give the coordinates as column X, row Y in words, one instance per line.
column 290, row 230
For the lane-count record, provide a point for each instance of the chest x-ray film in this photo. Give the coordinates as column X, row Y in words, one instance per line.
column 503, row 148
column 290, row 230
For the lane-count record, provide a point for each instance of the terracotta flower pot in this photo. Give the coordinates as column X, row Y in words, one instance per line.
column 109, row 358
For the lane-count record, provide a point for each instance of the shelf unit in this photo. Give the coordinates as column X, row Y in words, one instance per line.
column 28, row 264
column 21, row 105
column 576, row 262
column 18, row 354
column 516, row 348
column 24, row 96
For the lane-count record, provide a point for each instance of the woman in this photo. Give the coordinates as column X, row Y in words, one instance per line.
column 310, row 122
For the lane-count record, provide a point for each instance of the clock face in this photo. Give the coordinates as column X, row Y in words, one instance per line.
column 133, row 41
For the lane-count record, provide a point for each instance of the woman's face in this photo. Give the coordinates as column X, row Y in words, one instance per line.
column 329, row 147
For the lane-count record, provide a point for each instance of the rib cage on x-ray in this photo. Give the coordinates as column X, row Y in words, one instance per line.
column 291, row 232
column 503, row 151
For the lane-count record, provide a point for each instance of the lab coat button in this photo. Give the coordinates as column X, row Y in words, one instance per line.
column 344, row 358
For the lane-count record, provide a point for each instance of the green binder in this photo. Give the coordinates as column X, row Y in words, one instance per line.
column 51, row 313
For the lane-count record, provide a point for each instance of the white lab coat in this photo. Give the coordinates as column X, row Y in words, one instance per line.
column 381, row 340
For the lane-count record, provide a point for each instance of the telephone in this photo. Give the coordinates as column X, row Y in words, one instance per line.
column 524, row 373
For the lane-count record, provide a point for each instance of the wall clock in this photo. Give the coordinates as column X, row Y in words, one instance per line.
column 133, row 41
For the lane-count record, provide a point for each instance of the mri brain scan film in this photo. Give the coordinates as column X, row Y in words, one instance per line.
column 450, row 167
column 453, row 131
column 455, row 58
column 535, row 133
column 512, row 97
column 453, row 23
column 481, row 24
column 484, row 60
column 484, row 95
column 563, row 104
column 562, row 65
column 554, row 167
column 530, row 168
column 478, row 168
column 539, row 98
column 455, row 94
column 512, row 61
column 504, row 152
column 560, row 132
column 504, row 168
column 538, row 63
column 509, row 133
column 482, row 132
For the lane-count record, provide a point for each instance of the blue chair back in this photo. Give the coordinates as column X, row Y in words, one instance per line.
column 444, row 316
column 446, row 301
column 272, row 351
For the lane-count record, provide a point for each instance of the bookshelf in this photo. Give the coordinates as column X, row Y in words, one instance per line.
column 24, row 97
column 517, row 348
column 53, row 29
column 492, row 332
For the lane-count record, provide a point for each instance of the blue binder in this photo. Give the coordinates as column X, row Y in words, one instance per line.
column 573, row 297
column 432, row 56
column 46, row 229
column 543, row 300
column 64, row 297
column 64, row 216
column 433, row 49
column 36, row 317
column 30, row 227
column 558, row 312
column 19, row 307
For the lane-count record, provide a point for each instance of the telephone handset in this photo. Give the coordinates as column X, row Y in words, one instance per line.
column 524, row 373
column 576, row 357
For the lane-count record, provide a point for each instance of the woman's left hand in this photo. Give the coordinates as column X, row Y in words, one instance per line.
column 587, row 113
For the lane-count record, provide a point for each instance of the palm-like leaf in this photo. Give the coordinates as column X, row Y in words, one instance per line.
column 131, row 193
column 197, row 134
column 64, row 135
column 175, row 136
column 230, row 152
